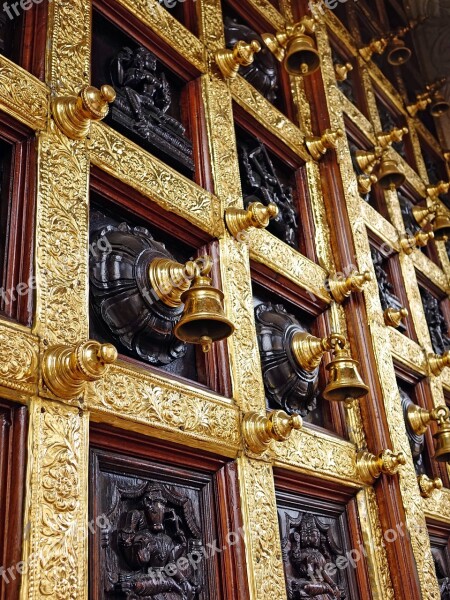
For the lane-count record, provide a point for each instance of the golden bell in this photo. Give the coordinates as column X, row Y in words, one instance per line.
column 441, row 225
column 439, row 106
column 423, row 214
column 398, row 53
column 345, row 382
column 442, row 437
column 389, row 176
column 203, row 321
column 302, row 57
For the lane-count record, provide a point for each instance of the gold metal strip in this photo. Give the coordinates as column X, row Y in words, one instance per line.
column 155, row 16
column 123, row 159
column 211, row 25
column 222, row 142
column 268, row 116
column 56, row 542
column 356, row 116
column 22, row 96
column 431, row 271
column 269, row 12
column 155, row 405
column 318, row 454
column 438, row 506
column 18, row 361
column 68, row 64
column 269, row 250
column 248, row 387
column 384, row 230
column 380, row 338
column 263, row 545
column 407, row 352
column 61, row 239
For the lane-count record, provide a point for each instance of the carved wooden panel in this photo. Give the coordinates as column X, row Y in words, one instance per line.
column 314, row 536
column 157, row 516
column 440, row 549
column 124, row 309
column 264, row 178
column 148, row 107
column 436, row 321
column 13, row 452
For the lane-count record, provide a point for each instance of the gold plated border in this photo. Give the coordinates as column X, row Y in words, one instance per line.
column 153, row 14
column 18, row 361
column 22, row 96
column 154, row 405
column 126, row 161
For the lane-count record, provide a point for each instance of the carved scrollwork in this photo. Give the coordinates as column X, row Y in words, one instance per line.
column 436, row 322
column 287, row 385
column 260, row 182
column 122, row 298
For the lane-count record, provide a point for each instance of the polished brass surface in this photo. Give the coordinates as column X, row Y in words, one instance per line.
column 421, row 103
column 66, row 369
column 441, row 223
column 170, row 279
column 308, row 350
column 442, row 437
column 439, row 105
column 342, row 71
column 428, row 486
column 418, row 240
column 344, row 381
column 438, row 189
column 387, row 138
column 368, row 159
column 295, row 48
column 341, row 287
column 389, row 175
column 239, row 220
column 370, row 467
column 74, row 114
column 203, row 321
column 394, row 316
column 375, row 47
column 365, row 183
column 260, row 430
column 424, row 214
column 438, row 363
column 398, row 52
column 242, row 54
column 317, row 146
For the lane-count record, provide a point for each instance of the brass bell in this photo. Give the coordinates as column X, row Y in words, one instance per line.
column 302, row 57
column 439, row 106
column 398, row 53
column 389, row 175
column 203, row 321
column 442, row 437
column 441, row 225
column 345, row 383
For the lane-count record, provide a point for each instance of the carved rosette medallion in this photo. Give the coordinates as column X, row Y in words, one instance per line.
column 287, row 385
column 122, row 297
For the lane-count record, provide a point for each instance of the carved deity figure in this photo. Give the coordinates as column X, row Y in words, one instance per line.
column 152, row 540
column 436, row 322
column 144, row 102
column 387, row 297
column 261, row 183
column 444, row 581
column 312, row 549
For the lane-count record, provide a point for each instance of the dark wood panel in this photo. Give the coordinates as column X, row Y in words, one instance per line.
column 152, row 503
column 13, row 455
